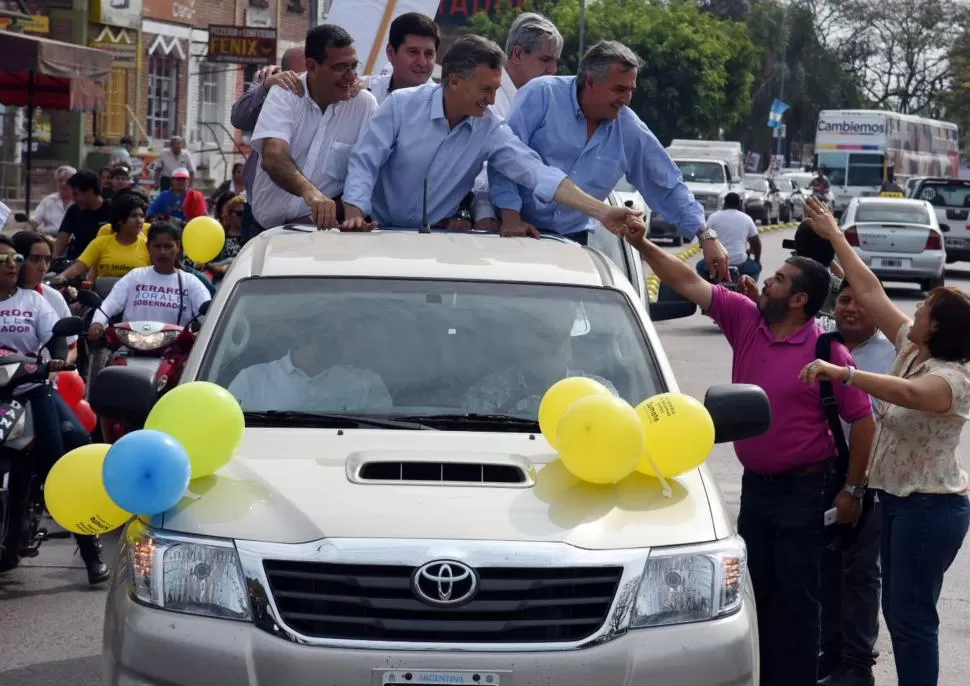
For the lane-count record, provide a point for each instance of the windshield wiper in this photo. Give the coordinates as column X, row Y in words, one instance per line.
column 328, row 419
column 506, row 422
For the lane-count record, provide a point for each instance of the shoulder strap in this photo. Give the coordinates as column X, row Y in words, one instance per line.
column 823, row 351
column 178, row 321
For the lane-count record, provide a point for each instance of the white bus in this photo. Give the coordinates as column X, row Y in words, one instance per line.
column 856, row 148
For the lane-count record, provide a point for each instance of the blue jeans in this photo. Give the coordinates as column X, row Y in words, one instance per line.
column 747, row 268
column 56, row 429
column 921, row 535
column 782, row 523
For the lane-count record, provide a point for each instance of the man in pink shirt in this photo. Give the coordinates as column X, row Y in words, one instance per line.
column 789, row 471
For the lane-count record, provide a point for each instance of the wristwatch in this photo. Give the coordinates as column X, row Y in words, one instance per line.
column 855, row 491
column 707, row 235
column 850, row 377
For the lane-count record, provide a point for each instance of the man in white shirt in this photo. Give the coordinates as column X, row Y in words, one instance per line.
column 171, row 158
column 533, row 48
column 49, row 214
column 412, row 45
column 304, row 141
column 738, row 235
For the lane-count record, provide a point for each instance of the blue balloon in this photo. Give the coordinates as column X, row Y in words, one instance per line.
column 146, row 472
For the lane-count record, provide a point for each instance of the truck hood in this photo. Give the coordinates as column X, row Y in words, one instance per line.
column 713, row 188
column 294, row 486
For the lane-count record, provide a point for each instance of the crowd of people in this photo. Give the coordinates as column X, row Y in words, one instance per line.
column 867, row 404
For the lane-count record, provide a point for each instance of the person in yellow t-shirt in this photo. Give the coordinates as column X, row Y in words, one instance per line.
column 121, row 251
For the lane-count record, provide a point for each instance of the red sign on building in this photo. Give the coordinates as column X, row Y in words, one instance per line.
column 457, row 12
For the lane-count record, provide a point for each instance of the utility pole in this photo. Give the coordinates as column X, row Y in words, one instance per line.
column 582, row 28
column 781, row 81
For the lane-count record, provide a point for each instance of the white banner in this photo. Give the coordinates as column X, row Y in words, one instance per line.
column 369, row 22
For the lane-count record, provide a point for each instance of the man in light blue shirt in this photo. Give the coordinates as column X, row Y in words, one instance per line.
column 443, row 135
column 584, row 126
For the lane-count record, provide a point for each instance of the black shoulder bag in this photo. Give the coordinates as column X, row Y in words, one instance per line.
column 838, row 536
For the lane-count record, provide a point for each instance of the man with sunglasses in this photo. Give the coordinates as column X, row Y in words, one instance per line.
column 305, row 141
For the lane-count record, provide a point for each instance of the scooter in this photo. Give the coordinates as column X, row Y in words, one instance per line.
column 161, row 349
column 21, row 486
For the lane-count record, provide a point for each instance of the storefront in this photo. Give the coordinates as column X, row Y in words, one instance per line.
column 115, row 27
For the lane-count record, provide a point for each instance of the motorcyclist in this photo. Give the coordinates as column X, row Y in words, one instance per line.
column 124, row 249
column 37, row 253
column 889, row 186
column 160, row 293
column 821, row 184
column 26, row 325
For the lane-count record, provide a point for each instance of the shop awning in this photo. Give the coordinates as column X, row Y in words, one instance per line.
column 51, row 74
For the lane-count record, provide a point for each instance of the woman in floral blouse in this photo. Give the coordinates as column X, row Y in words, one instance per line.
column 914, row 467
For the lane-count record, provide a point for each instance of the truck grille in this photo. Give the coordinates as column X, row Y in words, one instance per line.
column 376, row 603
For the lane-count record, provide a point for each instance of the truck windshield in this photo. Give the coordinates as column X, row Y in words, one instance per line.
column 702, row 172
column 865, row 170
column 385, row 347
column 834, row 165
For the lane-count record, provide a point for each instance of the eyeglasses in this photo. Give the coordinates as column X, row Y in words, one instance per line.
column 37, row 259
column 16, row 258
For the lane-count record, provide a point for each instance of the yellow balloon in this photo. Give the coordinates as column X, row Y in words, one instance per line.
column 560, row 396
column 203, row 239
column 679, row 433
column 75, row 495
column 600, row 439
column 206, row 419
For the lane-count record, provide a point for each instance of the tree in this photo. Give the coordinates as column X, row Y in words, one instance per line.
column 955, row 100
column 813, row 75
column 899, row 48
column 698, row 69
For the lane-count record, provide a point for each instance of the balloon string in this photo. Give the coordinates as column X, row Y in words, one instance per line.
column 665, row 488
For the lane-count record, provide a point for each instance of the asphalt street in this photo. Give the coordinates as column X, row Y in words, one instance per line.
column 50, row 621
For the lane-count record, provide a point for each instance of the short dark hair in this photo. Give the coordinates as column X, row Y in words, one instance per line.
column 468, row 53
column 122, row 205
column 810, row 244
column 238, row 165
column 412, row 24
column 85, row 180
column 814, row 280
column 127, row 140
column 949, row 309
column 320, row 38
column 103, row 170
column 5, row 240
column 23, row 241
column 164, row 227
column 732, row 201
column 120, row 170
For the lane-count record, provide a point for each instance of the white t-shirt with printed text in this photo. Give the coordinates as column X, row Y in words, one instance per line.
column 145, row 295
column 26, row 322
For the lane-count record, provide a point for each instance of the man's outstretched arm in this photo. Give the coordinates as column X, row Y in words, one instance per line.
column 670, row 270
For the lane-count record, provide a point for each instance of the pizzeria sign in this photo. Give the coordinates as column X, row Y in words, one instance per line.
column 241, row 45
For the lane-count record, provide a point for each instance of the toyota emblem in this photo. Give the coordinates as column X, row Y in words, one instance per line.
column 445, row 583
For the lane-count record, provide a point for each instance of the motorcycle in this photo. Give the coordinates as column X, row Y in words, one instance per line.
column 21, row 488
column 797, row 205
column 159, row 349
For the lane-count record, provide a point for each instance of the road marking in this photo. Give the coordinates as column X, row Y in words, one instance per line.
column 653, row 283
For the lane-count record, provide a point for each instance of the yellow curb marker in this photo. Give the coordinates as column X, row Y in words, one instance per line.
column 653, row 283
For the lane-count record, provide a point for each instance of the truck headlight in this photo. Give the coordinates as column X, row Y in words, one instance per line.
column 199, row 576
column 691, row 584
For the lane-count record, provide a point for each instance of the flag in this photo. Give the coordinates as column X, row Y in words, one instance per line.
column 778, row 108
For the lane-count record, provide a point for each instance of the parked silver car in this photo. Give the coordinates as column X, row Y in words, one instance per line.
column 899, row 238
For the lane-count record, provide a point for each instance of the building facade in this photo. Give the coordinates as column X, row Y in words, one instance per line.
column 163, row 83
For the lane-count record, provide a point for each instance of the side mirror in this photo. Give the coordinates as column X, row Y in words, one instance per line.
column 124, row 394
column 670, row 305
column 89, row 299
column 69, row 326
column 739, row 411
column 20, row 217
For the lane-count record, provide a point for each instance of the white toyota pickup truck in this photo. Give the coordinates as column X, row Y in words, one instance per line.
column 394, row 516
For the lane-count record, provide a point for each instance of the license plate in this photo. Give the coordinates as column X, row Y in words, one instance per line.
column 891, row 263
column 955, row 242
column 417, row 677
